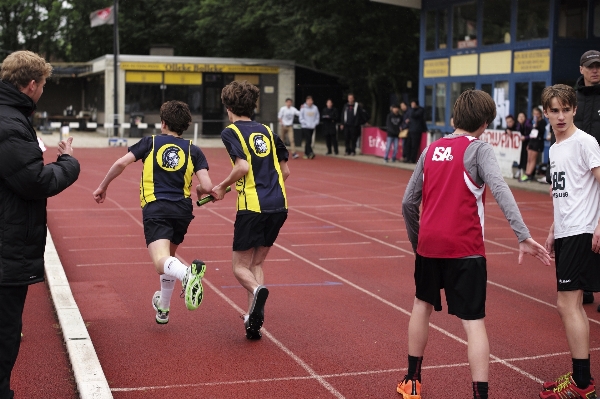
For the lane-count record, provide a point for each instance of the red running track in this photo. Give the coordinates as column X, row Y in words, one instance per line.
column 341, row 284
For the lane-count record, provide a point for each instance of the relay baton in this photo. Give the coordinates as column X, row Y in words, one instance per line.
column 210, row 198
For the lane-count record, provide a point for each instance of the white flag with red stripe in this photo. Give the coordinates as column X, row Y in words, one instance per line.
column 102, row 17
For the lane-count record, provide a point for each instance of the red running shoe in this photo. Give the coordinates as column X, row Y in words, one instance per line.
column 409, row 389
column 566, row 389
column 550, row 385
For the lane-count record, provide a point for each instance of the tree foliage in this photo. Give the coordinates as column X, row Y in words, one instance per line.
column 372, row 46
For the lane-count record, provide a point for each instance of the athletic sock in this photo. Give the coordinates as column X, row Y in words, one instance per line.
column 174, row 268
column 480, row 390
column 414, row 367
column 581, row 372
column 167, row 285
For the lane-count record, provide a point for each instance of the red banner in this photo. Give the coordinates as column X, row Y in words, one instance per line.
column 373, row 141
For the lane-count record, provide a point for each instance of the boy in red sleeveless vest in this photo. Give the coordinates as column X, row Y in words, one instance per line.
column 170, row 163
column 449, row 180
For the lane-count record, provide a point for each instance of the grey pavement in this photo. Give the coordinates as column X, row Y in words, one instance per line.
column 100, row 140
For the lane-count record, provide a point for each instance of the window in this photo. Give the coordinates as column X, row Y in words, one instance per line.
column 429, row 104
column 142, row 98
column 522, row 98
column 496, row 21
column 502, row 104
column 458, row 88
column 533, row 19
column 487, row 87
column 572, row 19
column 191, row 95
column 596, row 11
column 536, row 93
column 440, row 104
column 436, row 30
column 465, row 25
column 430, row 28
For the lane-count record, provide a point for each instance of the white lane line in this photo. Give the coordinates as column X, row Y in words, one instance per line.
column 206, row 246
column 106, row 249
column 498, row 253
column 297, row 359
column 280, row 345
column 329, row 243
column 383, row 231
column 93, row 226
column 87, row 370
column 366, row 257
column 441, row 330
column 353, row 231
column 305, row 232
column 114, row 264
column 335, row 375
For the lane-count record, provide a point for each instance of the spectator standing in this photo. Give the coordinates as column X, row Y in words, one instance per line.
column 25, row 185
column 587, row 117
column 536, row 143
column 353, row 117
column 286, row 120
column 416, row 127
column 392, row 126
column 405, row 113
column 524, row 127
column 329, row 118
column 309, row 119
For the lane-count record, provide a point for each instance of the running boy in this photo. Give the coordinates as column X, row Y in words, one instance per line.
column 450, row 177
column 260, row 168
column 170, row 162
column 574, row 236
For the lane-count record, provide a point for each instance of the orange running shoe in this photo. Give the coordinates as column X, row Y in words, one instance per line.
column 409, row 389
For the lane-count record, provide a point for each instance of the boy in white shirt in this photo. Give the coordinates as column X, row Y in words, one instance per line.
column 574, row 236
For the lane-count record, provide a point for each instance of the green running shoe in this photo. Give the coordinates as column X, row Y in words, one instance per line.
column 162, row 315
column 192, row 285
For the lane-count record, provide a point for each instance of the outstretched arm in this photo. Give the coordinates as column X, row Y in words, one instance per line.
column 240, row 168
column 114, row 171
column 205, row 186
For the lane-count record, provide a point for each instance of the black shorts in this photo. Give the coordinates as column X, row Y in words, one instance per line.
column 464, row 281
column 536, row 145
column 252, row 230
column 577, row 266
column 172, row 229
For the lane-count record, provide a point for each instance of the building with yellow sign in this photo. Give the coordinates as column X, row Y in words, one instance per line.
column 511, row 49
column 146, row 82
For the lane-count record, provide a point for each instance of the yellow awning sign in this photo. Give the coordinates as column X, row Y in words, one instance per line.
column 436, row 68
column 217, row 68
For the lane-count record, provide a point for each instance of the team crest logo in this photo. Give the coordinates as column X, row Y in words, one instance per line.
column 170, row 157
column 260, row 144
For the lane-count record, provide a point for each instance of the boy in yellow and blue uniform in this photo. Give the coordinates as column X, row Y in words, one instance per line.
column 260, row 168
column 170, row 162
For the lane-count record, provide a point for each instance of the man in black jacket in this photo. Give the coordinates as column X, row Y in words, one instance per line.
column 587, row 117
column 352, row 118
column 416, row 127
column 25, row 184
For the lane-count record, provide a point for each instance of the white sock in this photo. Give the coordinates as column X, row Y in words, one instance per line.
column 174, row 268
column 167, row 285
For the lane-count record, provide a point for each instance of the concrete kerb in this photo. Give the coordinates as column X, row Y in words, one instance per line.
column 89, row 377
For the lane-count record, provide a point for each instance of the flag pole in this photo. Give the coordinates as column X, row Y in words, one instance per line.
column 115, row 66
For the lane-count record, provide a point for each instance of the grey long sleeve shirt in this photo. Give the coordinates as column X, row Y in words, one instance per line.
column 481, row 165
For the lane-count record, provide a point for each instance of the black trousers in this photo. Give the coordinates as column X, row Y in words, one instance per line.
column 307, row 136
column 12, row 301
column 413, row 143
column 351, row 134
column 332, row 142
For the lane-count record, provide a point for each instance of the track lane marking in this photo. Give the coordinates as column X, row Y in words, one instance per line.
column 335, row 375
column 282, row 347
column 385, row 301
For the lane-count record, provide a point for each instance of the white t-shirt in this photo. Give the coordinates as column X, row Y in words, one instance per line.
column 575, row 191
column 287, row 115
